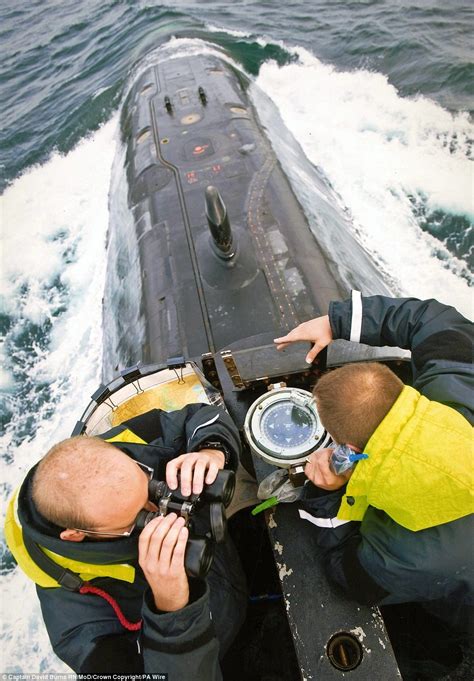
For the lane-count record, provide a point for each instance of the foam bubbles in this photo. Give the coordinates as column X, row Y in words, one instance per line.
column 211, row 28
column 23, row 630
column 56, row 221
column 56, row 218
column 381, row 151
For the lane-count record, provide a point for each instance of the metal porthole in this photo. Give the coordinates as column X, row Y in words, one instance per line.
column 344, row 651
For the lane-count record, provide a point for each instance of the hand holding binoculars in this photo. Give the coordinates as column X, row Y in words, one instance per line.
column 216, row 496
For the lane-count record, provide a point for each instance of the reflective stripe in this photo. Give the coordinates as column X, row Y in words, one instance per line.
column 208, row 423
column 322, row 522
column 356, row 323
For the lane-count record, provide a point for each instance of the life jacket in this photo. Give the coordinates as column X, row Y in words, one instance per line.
column 419, row 469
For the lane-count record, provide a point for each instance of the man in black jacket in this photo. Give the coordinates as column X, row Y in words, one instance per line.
column 137, row 610
column 378, row 560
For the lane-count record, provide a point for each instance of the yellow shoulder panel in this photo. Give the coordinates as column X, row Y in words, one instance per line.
column 126, row 436
column 87, row 571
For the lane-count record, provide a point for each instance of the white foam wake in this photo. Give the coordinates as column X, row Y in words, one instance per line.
column 377, row 149
column 212, row 28
column 56, row 218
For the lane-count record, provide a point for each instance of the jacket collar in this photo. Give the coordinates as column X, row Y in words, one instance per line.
column 387, row 441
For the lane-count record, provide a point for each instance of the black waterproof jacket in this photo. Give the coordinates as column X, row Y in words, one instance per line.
column 377, row 560
column 187, row 644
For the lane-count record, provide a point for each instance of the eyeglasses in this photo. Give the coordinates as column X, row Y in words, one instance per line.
column 149, row 471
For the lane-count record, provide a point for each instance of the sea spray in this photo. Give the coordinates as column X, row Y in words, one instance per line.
column 53, row 282
column 381, row 153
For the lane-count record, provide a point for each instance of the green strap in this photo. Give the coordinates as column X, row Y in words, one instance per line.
column 268, row 503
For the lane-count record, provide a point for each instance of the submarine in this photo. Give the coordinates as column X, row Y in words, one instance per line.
column 223, row 260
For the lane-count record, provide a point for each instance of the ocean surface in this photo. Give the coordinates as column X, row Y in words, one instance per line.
column 377, row 94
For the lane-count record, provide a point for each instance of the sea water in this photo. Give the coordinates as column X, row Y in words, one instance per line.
column 374, row 95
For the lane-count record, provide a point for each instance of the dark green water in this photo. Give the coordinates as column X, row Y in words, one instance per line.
column 382, row 77
column 64, row 63
column 376, row 94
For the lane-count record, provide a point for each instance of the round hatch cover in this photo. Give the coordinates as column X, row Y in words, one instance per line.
column 283, row 427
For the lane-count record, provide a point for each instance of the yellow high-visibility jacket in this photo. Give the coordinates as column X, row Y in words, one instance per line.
column 419, row 469
column 414, row 492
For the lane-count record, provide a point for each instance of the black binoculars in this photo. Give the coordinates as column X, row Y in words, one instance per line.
column 217, row 496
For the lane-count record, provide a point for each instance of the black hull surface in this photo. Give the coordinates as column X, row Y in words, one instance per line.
column 189, row 124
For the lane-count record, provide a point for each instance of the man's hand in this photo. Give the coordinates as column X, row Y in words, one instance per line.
column 192, row 468
column 318, row 470
column 317, row 331
column 161, row 548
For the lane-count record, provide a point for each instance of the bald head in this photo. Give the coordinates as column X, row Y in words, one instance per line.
column 79, row 478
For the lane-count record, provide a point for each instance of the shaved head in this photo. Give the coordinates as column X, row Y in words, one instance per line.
column 79, row 478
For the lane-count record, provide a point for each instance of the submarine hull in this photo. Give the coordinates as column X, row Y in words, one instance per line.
column 188, row 124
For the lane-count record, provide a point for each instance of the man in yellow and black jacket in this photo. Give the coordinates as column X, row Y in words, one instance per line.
column 397, row 527
column 136, row 611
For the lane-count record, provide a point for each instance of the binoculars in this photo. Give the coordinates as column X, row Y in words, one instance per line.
column 216, row 496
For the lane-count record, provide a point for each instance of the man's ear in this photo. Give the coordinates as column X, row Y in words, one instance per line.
column 72, row 535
